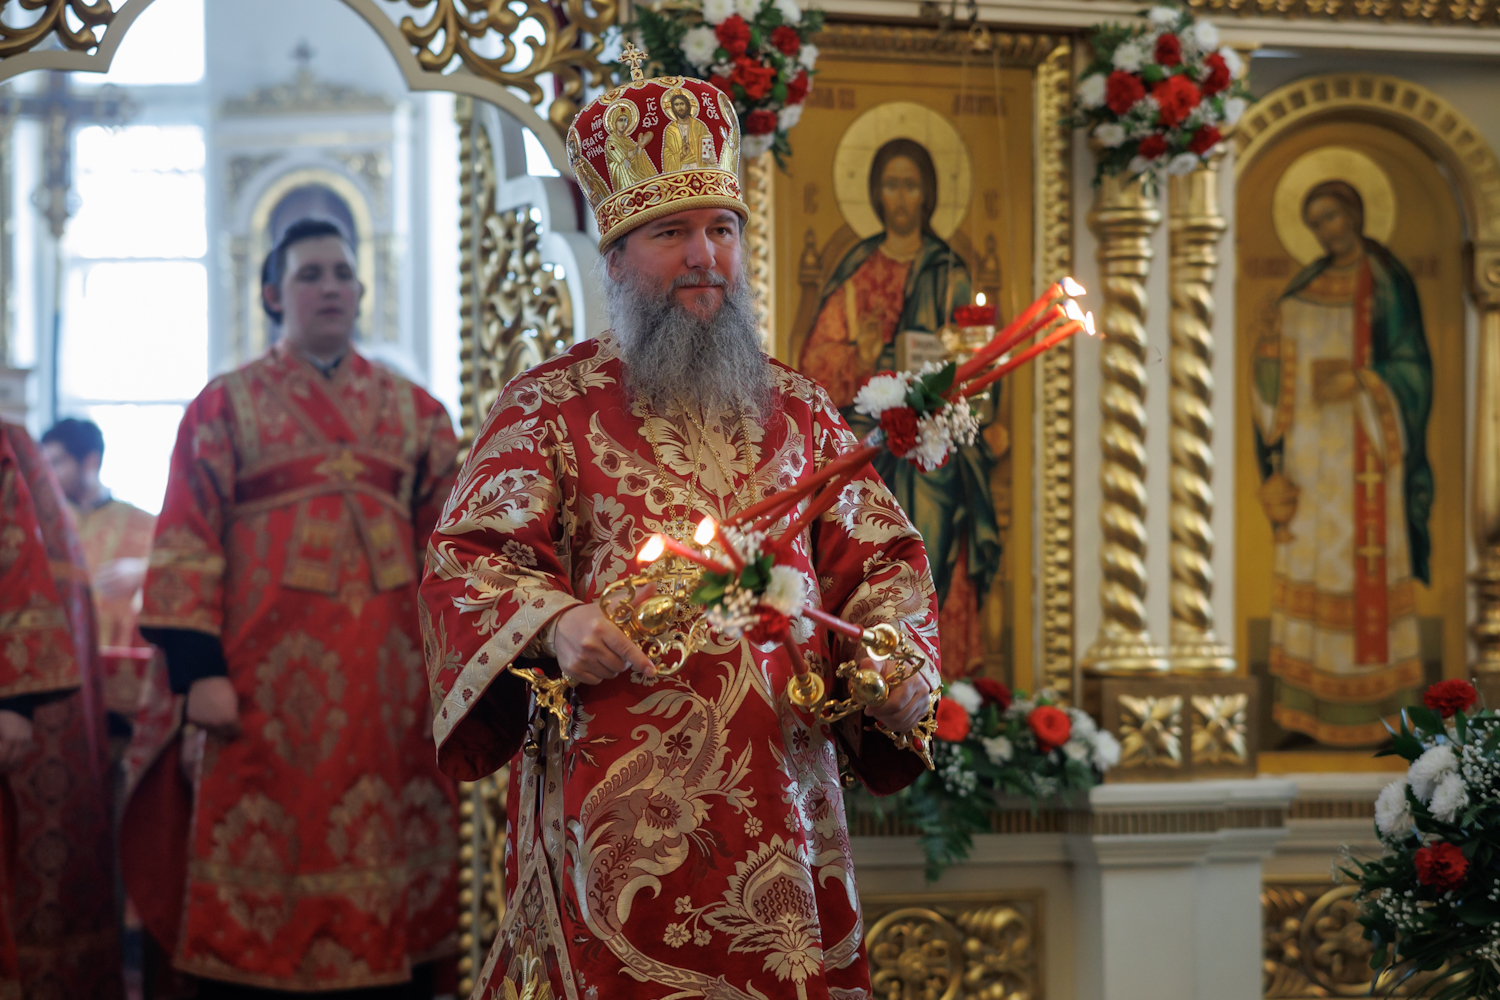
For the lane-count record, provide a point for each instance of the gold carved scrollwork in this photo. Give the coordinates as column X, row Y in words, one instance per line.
column 1312, row 945
column 1220, row 728
column 517, row 310
column 53, row 19
column 1151, row 731
column 459, row 28
column 924, row 948
column 481, row 875
column 1470, row 13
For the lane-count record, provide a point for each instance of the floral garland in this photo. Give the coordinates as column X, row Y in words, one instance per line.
column 1158, row 97
column 756, row 51
column 990, row 745
column 916, row 422
column 760, row 600
column 1432, row 901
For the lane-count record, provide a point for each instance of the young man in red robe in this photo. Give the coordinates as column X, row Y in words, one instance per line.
column 57, row 902
column 686, row 837
column 315, row 848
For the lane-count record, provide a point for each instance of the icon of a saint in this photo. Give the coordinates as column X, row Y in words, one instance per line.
column 629, row 163
column 685, row 142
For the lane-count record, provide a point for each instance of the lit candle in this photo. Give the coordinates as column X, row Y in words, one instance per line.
column 979, row 299
column 1068, row 329
column 708, row 531
column 1004, row 341
column 658, row 545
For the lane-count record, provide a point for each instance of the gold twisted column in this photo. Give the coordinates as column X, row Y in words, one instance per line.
column 1486, row 476
column 1196, row 226
column 1124, row 217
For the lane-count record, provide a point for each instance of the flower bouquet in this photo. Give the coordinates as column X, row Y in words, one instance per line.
column 756, row 51
column 1431, row 903
column 1159, row 96
column 990, row 746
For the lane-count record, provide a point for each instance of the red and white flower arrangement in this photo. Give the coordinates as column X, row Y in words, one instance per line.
column 757, row 51
column 917, row 421
column 1158, row 97
column 1431, row 902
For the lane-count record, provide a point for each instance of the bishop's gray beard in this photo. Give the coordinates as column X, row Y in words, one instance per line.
column 670, row 354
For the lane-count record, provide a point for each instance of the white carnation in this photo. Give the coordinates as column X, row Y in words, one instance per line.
column 997, row 749
column 698, row 45
column 967, row 695
column 1077, row 750
column 1110, row 134
column 1162, row 17
column 1138, row 165
column 1392, row 812
column 1205, row 36
column 786, row 592
column 791, row 13
column 1232, row 61
column 747, row 8
column 752, row 146
column 1183, row 163
column 881, row 393
column 1091, row 90
column 1129, row 56
column 1449, row 797
column 1106, row 750
column 934, row 441
column 717, row 11
column 801, row 629
column 1234, row 108
column 788, row 117
column 1083, row 723
column 807, row 55
column 1429, row 769
column 1020, row 709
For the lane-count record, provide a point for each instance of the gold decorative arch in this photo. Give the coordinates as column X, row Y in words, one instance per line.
column 1451, row 139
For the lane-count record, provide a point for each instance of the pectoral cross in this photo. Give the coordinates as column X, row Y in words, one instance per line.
column 1372, row 477
column 1371, row 551
column 345, row 467
column 632, row 57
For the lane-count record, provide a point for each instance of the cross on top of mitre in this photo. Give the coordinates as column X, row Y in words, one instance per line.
column 633, row 57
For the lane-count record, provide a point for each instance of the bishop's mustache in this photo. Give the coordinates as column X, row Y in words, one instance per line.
column 699, row 279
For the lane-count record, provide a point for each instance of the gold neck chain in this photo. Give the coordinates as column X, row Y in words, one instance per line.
column 681, row 527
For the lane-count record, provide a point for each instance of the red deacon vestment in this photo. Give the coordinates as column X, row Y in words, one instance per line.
column 322, row 850
column 60, row 897
column 691, row 836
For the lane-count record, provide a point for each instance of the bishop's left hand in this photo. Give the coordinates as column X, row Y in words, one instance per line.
column 906, row 704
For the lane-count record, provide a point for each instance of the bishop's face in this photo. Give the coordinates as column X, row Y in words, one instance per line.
column 901, row 196
column 1334, row 226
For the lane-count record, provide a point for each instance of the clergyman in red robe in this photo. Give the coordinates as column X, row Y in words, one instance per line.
column 57, row 915
column 320, row 850
column 686, row 837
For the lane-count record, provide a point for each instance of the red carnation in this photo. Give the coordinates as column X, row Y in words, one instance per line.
column 1206, row 138
column 900, row 426
column 1152, row 146
column 1447, row 697
column 1441, row 866
column 1176, row 96
column 785, row 39
column 760, row 122
column 1217, row 78
column 1051, row 726
column 754, row 77
column 952, row 721
column 733, row 34
column 722, row 82
column 796, row 90
column 772, row 626
column 1122, row 90
column 993, row 692
column 1169, row 50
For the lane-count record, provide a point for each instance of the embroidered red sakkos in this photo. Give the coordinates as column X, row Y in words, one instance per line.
column 692, row 835
column 61, row 892
column 117, row 530
column 322, row 849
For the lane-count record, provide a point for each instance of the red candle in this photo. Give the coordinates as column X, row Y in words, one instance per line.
column 675, row 547
column 814, row 510
column 779, row 503
column 1052, row 340
column 834, row 623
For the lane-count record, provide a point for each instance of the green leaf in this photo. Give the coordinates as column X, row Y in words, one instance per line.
column 1153, row 73
column 941, row 380
column 1426, row 720
column 1479, row 912
column 708, row 594
column 1408, row 746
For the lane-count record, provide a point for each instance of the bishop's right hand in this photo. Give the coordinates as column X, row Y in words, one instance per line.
column 212, row 704
column 591, row 648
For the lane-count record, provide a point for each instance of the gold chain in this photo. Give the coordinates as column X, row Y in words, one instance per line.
column 685, row 520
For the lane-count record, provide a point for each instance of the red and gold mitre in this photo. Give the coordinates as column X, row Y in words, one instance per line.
column 653, row 147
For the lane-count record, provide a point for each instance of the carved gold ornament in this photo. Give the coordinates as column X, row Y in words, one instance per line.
column 1220, row 730
column 1151, row 731
column 936, row 948
column 915, row 953
column 456, row 28
column 1313, row 945
column 54, row 20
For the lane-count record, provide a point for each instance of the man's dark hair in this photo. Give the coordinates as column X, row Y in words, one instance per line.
column 274, row 268
column 79, row 438
column 916, row 153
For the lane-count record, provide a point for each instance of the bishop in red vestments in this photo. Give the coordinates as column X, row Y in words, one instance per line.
column 57, row 915
column 686, row 837
column 320, row 850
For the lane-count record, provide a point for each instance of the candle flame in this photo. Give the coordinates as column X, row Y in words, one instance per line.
column 652, row 550
column 979, row 299
column 1073, row 311
column 705, row 532
column 1088, row 323
column 1072, row 288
